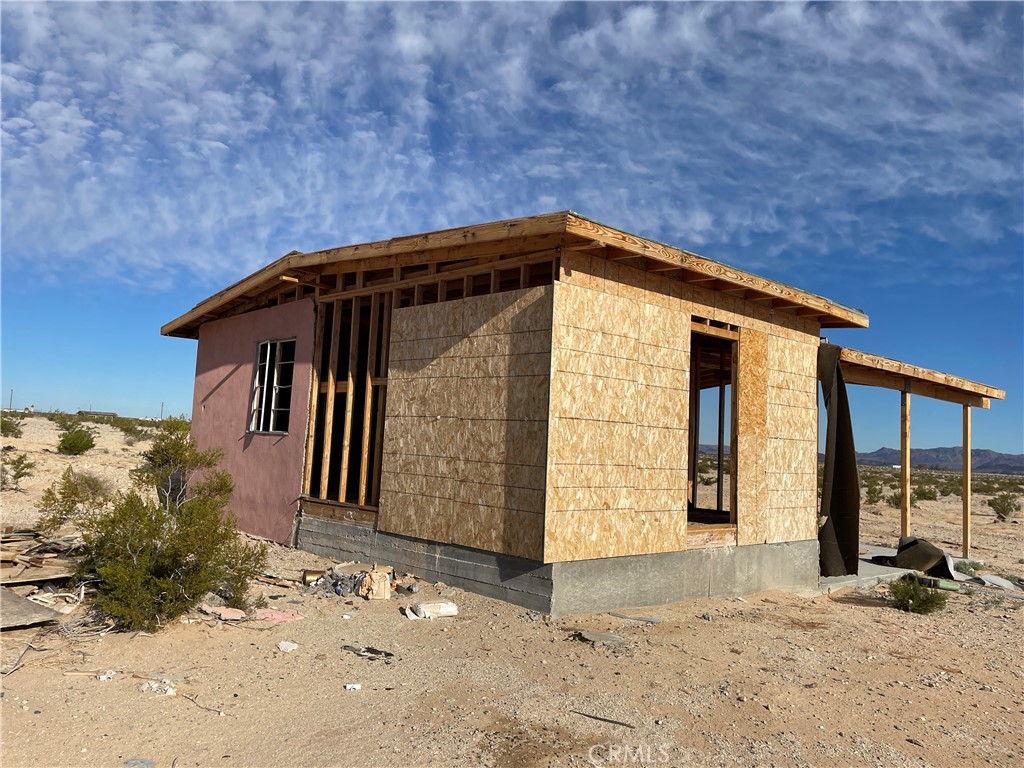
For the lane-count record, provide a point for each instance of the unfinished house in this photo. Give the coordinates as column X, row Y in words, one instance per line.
column 517, row 408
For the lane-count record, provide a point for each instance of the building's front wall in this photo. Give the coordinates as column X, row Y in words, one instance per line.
column 266, row 468
column 617, row 473
column 465, row 437
column 618, row 422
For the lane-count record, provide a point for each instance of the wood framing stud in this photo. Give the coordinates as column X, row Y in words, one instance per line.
column 904, row 464
column 965, row 494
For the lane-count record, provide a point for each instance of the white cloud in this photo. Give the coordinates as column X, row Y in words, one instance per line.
column 213, row 138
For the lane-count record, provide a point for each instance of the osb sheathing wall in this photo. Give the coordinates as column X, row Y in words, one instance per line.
column 618, row 418
column 465, row 441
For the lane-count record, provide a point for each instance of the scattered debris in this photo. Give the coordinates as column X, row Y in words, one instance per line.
column 376, row 584
column 277, row 581
column 220, row 712
column 223, row 612
column 353, row 687
column 310, row 576
column 139, row 762
column 432, row 610
column 106, row 677
column 27, row 557
column 373, row 654
column 287, row 646
column 602, row 719
column 22, row 612
column 164, row 689
column 991, row 580
column 645, row 619
column 275, row 615
column 595, row 638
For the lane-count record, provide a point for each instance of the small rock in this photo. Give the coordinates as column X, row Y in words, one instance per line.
column 915, row 742
column 706, row 616
column 287, row 646
column 606, row 639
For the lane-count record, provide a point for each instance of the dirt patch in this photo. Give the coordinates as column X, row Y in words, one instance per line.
column 769, row 679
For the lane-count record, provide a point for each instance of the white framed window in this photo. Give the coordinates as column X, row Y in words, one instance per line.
column 272, row 386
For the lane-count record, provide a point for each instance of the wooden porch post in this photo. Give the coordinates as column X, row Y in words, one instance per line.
column 965, row 493
column 905, row 462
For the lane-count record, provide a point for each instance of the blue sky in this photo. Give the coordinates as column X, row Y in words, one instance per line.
column 154, row 153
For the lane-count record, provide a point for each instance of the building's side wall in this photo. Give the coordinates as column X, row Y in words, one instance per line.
column 617, row 473
column 465, row 437
column 618, row 418
column 266, row 468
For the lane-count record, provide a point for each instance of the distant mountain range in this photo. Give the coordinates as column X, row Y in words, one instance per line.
column 982, row 460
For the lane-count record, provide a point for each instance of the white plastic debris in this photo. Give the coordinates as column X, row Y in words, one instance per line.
column 287, row 646
column 432, row 610
column 353, row 687
column 107, row 676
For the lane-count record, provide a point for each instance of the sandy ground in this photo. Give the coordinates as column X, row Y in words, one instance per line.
column 768, row 680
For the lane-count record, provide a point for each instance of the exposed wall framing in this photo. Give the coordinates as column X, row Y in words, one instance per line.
column 353, row 338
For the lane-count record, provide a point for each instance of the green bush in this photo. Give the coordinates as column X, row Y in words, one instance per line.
column 14, row 469
column 924, row 493
column 72, row 499
column 967, row 567
column 10, row 425
column 76, row 442
column 75, row 438
column 909, row 594
column 1005, row 505
column 132, row 429
column 873, row 493
column 156, row 556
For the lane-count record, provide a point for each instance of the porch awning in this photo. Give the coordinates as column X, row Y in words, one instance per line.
column 874, row 371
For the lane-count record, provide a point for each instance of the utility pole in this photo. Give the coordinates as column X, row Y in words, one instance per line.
column 161, row 411
column 10, row 405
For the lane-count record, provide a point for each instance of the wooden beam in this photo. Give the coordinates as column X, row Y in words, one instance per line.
column 515, row 262
column 965, row 493
column 833, row 314
column 371, row 365
column 854, row 374
column 905, row 464
column 314, row 399
column 506, row 236
column 385, row 352
column 353, row 359
column 332, row 375
column 897, row 368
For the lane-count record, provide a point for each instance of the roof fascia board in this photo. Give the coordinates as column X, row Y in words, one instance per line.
column 873, row 370
column 839, row 315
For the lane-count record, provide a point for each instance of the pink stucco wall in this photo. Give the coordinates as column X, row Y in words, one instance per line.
column 267, row 468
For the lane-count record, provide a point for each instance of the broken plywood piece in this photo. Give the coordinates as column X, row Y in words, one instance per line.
column 17, row 611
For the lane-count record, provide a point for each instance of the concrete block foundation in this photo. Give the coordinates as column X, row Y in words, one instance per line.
column 581, row 586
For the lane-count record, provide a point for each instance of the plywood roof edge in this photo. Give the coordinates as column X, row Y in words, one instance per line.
column 489, row 231
column 835, row 314
column 905, row 370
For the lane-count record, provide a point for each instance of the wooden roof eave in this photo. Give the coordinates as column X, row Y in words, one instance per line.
column 187, row 325
column 564, row 226
column 828, row 313
column 874, row 371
